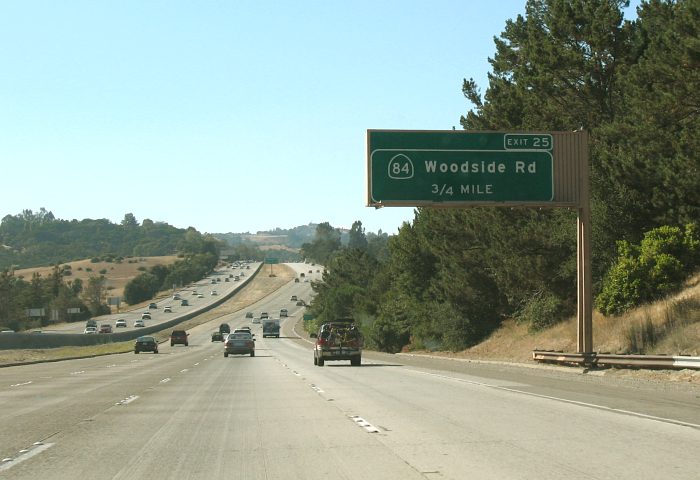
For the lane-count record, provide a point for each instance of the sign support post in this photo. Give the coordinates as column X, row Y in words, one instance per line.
column 450, row 169
column 271, row 261
column 584, row 315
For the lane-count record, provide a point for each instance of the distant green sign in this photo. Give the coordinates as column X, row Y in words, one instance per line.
column 436, row 167
column 308, row 316
column 272, row 260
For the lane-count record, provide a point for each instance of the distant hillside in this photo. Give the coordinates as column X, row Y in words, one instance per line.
column 293, row 238
column 116, row 274
column 34, row 239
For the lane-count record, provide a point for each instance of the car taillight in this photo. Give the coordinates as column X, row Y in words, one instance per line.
column 321, row 341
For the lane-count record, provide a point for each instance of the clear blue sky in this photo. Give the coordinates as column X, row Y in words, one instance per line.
column 228, row 116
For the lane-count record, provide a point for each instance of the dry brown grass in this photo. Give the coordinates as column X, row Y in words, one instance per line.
column 117, row 274
column 670, row 326
column 676, row 322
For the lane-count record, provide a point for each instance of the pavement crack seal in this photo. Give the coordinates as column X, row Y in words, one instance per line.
column 24, row 454
column 364, row 424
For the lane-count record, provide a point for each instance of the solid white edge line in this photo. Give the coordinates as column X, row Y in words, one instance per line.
column 565, row 400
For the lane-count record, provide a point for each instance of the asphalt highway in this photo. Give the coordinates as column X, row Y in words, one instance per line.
column 190, row 413
column 198, row 295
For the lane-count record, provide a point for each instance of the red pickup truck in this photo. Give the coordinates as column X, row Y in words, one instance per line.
column 339, row 340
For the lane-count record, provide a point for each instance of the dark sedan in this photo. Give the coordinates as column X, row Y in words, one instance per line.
column 146, row 344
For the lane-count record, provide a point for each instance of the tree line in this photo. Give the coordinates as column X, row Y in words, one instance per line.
column 31, row 239
column 58, row 293
column 450, row 276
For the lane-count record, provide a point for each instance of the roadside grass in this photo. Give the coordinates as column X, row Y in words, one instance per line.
column 9, row 357
column 670, row 326
column 116, row 274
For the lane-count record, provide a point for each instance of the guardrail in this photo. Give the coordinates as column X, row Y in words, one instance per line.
column 14, row 340
column 670, row 362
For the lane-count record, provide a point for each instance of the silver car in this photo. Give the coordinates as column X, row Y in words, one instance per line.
column 241, row 343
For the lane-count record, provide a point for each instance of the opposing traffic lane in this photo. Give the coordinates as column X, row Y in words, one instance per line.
column 71, row 334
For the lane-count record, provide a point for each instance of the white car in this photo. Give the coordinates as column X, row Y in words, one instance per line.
column 90, row 330
column 213, row 292
column 167, row 309
column 120, row 323
column 139, row 323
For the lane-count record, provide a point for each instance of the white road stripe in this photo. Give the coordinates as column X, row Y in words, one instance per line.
column 565, row 400
column 316, row 389
column 128, row 400
column 26, row 454
column 364, row 424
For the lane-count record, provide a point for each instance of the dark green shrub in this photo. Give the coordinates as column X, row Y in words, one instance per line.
column 542, row 311
column 142, row 287
column 652, row 270
column 390, row 331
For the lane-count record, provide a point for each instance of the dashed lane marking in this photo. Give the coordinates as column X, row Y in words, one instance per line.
column 364, row 424
column 127, row 400
column 21, row 384
column 25, row 454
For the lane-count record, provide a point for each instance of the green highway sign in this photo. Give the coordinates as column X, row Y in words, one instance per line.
column 448, row 167
column 271, row 260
